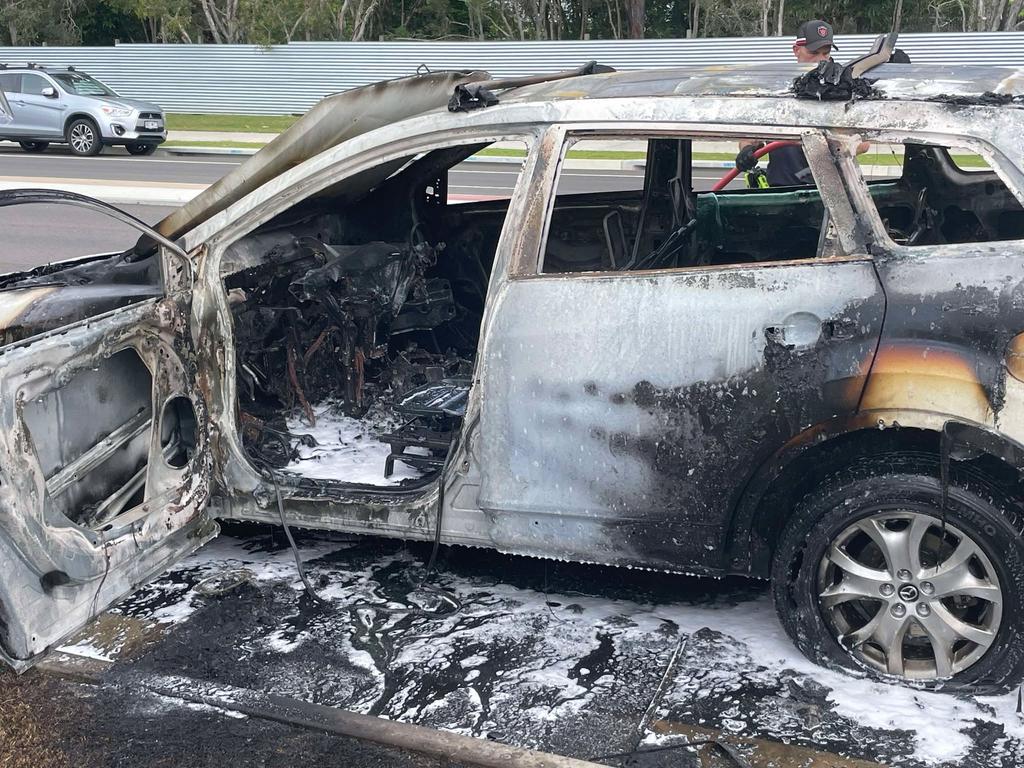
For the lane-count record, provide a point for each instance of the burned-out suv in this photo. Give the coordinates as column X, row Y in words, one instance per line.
column 51, row 105
column 819, row 385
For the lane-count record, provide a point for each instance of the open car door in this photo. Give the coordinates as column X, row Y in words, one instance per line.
column 104, row 460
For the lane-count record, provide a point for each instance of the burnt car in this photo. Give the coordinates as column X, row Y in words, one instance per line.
column 820, row 385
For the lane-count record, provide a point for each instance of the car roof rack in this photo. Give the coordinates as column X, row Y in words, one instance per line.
column 34, row 65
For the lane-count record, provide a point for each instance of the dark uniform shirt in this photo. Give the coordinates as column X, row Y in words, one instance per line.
column 787, row 167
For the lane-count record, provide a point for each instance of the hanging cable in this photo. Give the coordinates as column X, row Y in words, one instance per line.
column 444, row 596
column 291, row 543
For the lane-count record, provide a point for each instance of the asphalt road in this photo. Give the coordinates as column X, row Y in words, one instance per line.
column 33, row 235
column 164, row 168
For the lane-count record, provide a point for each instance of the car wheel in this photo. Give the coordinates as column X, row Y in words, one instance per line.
column 140, row 149
column 84, row 138
column 876, row 572
column 34, row 146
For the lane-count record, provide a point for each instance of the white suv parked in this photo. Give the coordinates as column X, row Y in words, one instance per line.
column 52, row 105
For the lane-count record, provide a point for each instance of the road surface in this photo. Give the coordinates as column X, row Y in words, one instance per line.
column 35, row 235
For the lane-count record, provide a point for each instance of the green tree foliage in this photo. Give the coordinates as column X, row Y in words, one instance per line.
column 269, row 22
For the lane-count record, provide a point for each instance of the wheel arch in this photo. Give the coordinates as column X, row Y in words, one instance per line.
column 769, row 497
column 81, row 116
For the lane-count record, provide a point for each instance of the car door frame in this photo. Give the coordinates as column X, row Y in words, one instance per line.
column 247, row 493
column 46, row 111
column 517, row 530
column 57, row 575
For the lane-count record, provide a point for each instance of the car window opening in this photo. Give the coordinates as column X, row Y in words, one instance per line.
column 71, row 286
column 931, row 195
column 356, row 319
column 660, row 212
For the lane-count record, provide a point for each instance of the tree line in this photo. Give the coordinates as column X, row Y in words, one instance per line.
column 267, row 22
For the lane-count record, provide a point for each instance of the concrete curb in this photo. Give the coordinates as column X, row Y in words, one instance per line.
column 445, row 746
column 244, row 151
column 589, row 165
column 131, row 193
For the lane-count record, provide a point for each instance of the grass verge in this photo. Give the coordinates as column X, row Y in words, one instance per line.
column 177, row 121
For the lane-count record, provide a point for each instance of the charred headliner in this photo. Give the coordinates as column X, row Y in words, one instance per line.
column 911, row 82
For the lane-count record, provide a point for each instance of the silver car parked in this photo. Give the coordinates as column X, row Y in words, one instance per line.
column 52, row 105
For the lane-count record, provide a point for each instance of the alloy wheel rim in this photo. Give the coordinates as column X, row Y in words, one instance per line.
column 910, row 595
column 82, row 137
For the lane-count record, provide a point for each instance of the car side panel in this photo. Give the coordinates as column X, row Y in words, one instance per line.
column 622, row 414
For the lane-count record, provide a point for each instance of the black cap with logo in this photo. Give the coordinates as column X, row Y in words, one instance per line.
column 815, row 35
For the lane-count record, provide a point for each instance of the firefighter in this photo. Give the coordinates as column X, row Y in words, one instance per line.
column 787, row 166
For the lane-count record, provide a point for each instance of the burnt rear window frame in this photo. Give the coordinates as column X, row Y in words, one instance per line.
column 865, row 206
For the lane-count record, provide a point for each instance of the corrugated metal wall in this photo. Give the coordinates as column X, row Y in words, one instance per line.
column 290, row 78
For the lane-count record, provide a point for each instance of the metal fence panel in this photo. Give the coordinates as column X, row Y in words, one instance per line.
column 291, row 78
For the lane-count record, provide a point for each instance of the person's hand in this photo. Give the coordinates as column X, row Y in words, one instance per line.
column 745, row 160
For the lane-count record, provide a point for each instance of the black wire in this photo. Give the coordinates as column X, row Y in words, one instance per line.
column 443, row 595
column 291, row 542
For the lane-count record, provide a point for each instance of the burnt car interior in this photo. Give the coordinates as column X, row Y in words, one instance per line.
column 667, row 224
column 356, row 319
column 932, row 200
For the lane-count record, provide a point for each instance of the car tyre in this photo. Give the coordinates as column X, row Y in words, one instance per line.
column 875, row 573
column 84, row 138
column 34, row 146
column 140, row 149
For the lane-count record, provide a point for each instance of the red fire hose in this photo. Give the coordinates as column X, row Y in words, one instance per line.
column 758, row 154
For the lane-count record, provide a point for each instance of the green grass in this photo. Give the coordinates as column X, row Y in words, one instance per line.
column 230, row 123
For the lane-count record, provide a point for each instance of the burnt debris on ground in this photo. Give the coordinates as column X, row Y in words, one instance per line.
column 576, row 660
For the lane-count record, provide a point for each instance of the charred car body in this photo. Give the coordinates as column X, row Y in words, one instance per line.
column 820, row 385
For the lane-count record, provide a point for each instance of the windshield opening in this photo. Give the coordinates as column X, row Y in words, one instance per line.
column 83, row 85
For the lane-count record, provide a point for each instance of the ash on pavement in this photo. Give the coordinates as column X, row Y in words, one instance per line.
column 578, row 660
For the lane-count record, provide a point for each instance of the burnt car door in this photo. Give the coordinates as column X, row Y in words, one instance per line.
column 104, row 467
column 624, row 408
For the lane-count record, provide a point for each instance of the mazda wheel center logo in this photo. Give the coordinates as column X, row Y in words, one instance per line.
column 908, row 593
